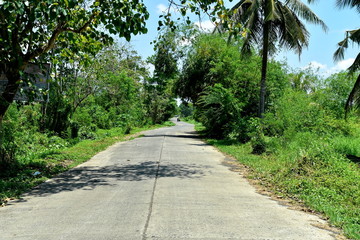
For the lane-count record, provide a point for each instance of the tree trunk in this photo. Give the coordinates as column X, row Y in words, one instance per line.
column 353, row 97
column 265, row 53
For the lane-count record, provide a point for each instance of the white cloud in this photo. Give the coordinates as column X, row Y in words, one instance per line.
column 345, row 64
column 326, row 71
column 207, row 26
column 161, row 8
column 151, row 68
column 317, row 65
column 340, row 66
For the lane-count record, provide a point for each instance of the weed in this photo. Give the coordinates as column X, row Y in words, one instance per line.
column 311, row 170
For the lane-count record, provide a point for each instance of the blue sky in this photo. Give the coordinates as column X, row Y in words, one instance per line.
column 321, row 46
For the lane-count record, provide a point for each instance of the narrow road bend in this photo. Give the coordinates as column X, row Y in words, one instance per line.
column 166, row 185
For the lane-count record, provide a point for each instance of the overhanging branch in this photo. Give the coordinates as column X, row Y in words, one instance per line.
column 51, row 43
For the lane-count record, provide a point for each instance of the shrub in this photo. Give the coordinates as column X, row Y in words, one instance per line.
column 296, row 111
column 257, row 138
column 87, row 132
column 8, row 140
column 218, row 110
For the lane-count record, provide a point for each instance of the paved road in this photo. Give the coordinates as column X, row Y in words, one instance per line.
column 165, row 185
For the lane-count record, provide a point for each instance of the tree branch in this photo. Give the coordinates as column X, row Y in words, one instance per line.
column 51, row 43
column 81, row 29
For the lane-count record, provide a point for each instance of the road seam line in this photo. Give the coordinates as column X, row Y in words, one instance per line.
column 153, row 192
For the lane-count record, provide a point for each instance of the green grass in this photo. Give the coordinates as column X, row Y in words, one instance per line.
column 310, row 170
column 50, row 163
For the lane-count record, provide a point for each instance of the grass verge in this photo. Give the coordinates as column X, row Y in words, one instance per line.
column 47, row 164
column 312, row 171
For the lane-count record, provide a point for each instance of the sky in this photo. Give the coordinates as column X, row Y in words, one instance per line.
column 319, row 53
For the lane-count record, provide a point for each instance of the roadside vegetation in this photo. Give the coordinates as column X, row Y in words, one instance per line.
column 297, row 130
column 302, row 149
column 311, row 171
column 89, row 106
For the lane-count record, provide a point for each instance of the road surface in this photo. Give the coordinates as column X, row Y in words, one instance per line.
column 165, row 185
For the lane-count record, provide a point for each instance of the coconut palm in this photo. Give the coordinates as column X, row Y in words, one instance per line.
column 272, row 24
column 350, row 36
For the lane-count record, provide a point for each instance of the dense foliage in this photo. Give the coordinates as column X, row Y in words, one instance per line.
column 86, row 96
column 30, row 29
column 302, row 146
column 215, row 77
column 273, row 24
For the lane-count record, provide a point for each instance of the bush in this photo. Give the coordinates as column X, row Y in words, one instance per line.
column 219, row 111
column 295, row 112
column 88, row 132
column 9, row 136
column 257, row 138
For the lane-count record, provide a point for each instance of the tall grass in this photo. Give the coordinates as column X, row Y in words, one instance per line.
column 310, row 169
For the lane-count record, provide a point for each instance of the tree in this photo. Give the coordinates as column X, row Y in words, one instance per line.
column 72, row 82
column 271, row 23
column 186, row 109
column 116, row 74
column 306, row 80
column 212, row 61
column 165, row 60
column 334, row 93
column 223, row 87
column 169, row 50
column 350, row 36
column 29, row 29
column 219, row 111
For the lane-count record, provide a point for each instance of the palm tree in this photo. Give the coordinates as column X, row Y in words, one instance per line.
column 350, row 36
column 272, row 24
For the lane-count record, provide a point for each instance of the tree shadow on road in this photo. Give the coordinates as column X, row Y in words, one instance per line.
column 88, row 177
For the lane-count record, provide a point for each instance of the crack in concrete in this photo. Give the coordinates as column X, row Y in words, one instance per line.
column 153, row 192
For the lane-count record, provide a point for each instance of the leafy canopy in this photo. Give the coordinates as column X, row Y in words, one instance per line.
column 281, row 19
column 30, row 28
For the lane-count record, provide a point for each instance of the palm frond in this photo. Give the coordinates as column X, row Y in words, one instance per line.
column 236, row 14
column 273, row 39
column 250, row 36
column 292, row 32
column 311, row 1
column 303, row 11
column 354, row 36
column 248, row 14
column 286, row 28
column 354, row 97
column 270, row 10
column 348, row 3
column 339, row 53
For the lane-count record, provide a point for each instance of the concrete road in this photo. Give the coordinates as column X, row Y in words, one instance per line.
column 165, row 185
